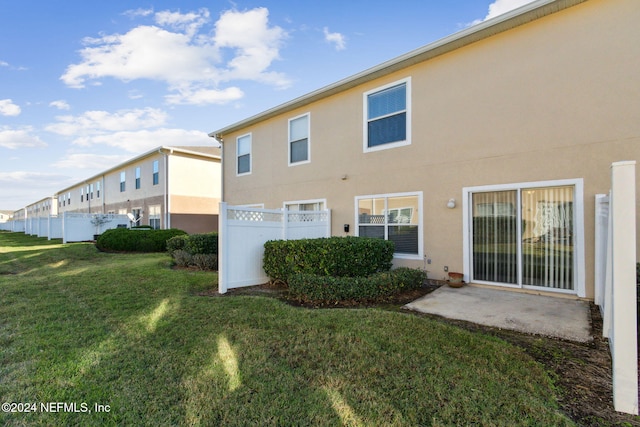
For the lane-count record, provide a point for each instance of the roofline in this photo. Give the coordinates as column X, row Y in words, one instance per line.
column 509, row 20
column 162, row 148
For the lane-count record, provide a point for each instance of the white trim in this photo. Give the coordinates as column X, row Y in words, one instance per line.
column 419, row 194
column 300, row 202
column 578, row 243
column 250, row 135
column 302, row 162
column 365, row 121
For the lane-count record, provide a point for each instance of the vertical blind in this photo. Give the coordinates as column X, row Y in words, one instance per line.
column 544, row 237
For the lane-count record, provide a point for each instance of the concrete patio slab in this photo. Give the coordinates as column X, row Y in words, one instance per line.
column 565, row 318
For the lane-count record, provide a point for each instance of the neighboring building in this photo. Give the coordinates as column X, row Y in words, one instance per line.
column 168, row 187
column 481, row 152
column 5, row 216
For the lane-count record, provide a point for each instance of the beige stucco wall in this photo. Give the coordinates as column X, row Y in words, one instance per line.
column 194, row 185
column 553, row 99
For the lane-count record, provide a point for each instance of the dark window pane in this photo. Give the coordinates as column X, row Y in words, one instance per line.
column 377, row 232
column 405, row 237
column 244, row 164
column 299, row 151
column 387, row 130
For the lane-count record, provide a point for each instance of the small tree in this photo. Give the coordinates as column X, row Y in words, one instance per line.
column 99, row 220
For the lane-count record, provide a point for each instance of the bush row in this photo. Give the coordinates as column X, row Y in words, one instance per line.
column 333, row 256
column 136, row 240
column 195, row 250
column 328, row 289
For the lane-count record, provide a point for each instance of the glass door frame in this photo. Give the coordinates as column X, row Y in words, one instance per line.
column 578, row 240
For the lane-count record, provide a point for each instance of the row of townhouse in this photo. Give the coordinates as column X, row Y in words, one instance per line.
column 167, row 187
column 481, row 153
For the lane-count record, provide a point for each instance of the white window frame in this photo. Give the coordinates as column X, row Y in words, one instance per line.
column 365, row 118
column 288, row 205
column 302, row 162
column 419, row 194
column 250, row 135
column 579, row 242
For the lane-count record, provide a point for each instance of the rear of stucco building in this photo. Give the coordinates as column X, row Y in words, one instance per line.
column 482, row 152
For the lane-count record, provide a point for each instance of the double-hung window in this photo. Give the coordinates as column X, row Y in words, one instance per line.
column 299, row 140
column 156, row 172
column 395, row 217
column 243, row 155
column 122, row 181
column 138, row 178
column 387, row 115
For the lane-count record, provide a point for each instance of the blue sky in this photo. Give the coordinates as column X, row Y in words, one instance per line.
column 85, row 85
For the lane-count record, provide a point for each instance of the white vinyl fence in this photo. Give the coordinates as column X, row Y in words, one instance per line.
column 244, row 231
column 81, row 227
column 615, row 281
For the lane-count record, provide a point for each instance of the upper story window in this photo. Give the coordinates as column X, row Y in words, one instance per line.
column 387, row 116
column 98, row 189
column 123, row 186
column 243, row 155
column 156, row 172
column 299, row 140
column 137, row 178
column 91, row 188
column 81, row 194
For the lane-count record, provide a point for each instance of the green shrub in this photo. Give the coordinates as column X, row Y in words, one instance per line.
column 182, row 258
column 137, row 240
column 333, row 256
column 202, row 244
column 176, row 243
column 328, row 289
column 205, row 261
column 195, row 250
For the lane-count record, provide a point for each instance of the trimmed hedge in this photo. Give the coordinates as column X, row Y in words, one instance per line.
column 136, row 240
column 328, row 289
column 333, row 256
column 195, row 250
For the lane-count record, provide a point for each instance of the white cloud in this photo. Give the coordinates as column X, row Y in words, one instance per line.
column 8, row 108
column 180, row 51
column 97, row 122
column 90, row 161
column 4, row 64
column 144, row 140
column 499, row 7
column 60, row 104
column 205, row 96
column 133, row 13
column 19, row 178
column 19, row 138
column 337, row 39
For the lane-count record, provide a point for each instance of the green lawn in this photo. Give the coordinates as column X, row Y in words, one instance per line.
column 124, row 330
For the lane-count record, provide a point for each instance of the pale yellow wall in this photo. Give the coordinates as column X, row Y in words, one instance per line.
column 194, row 184
column 146, row 190
column 553, row 99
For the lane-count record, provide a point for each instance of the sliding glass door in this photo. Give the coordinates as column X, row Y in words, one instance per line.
column 524, row 237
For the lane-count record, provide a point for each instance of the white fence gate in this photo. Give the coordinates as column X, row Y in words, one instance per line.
column 615, row 281
column 244, row 231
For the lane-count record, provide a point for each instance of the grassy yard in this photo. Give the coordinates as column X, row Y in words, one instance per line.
column 124, row 330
